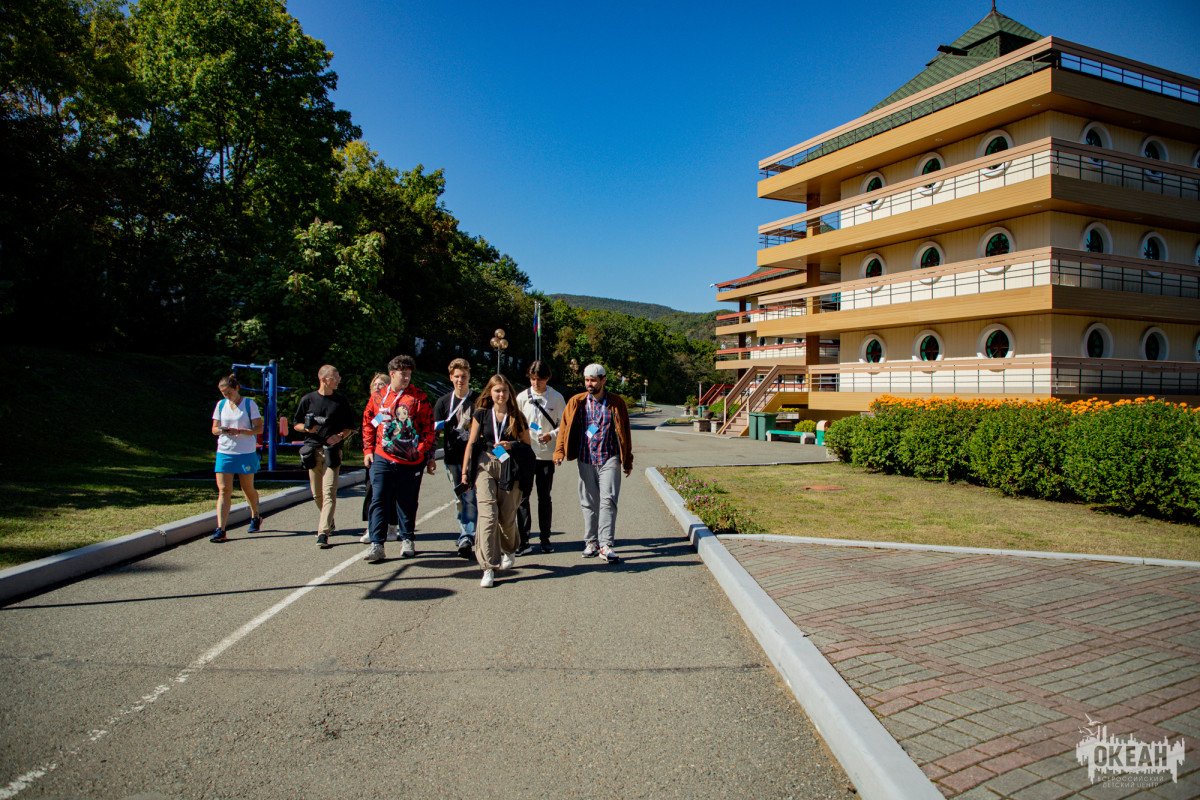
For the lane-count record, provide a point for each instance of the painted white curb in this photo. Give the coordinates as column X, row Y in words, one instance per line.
column 872, row 758
column 947, row 548
column 34, row 576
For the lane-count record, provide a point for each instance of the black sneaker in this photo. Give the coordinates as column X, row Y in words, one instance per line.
column 218, row 535
column 255, row 524
column 323, row 540
column 466, row 547
column 546, row 547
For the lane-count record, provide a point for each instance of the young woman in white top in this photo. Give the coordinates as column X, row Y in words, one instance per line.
column 237, row 422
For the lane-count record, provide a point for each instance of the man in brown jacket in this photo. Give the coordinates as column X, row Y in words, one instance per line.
column 595, row 431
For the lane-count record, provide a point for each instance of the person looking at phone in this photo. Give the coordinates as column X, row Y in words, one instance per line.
column 236, row 422
column 452, row 419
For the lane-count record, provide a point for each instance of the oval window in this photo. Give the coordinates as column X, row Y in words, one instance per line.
column 930, row 258
column 1153, row 248
column 873, row 269
column 1093, row 241
column 997, row 245
column 930, row 348
column 996, row 345
column 875, row 184
column 1092, row 138
column 873, row 352
column 1155, row 346
column 930, row 164
column 1097, row 341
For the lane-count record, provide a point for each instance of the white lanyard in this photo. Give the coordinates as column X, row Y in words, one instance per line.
column 455, row 407
column 497, row 426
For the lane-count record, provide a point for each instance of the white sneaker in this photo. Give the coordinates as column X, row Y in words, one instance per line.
column 393, row 533
column 374, row 554
column 590, row 550
column 489, row 579
column 507, row 561
column 365, row 538
column 407, row 549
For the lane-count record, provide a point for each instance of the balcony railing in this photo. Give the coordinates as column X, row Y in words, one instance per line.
column 1048, row 52
column 1034, row 160
column 1046, row 266
column 763, row 314
column 1038, row 375
column 789, row 350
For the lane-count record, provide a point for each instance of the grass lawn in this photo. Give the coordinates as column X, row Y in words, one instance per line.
column 91, row 442
column 894, row 508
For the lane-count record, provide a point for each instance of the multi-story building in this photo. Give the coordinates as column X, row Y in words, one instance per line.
column 1021, row 219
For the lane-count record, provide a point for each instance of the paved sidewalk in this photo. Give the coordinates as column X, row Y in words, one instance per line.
column 987, row 668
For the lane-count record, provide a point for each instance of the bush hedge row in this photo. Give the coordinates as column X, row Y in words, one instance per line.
column 1136, row 456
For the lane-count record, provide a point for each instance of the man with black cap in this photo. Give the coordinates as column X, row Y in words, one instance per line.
column 595, row 431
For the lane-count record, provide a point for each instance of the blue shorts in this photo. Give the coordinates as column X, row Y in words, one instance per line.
column 237, row 463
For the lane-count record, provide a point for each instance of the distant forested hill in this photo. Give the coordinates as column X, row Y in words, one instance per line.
column 690, row 323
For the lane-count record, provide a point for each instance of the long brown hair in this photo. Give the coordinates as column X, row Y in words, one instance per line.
column 516, row 420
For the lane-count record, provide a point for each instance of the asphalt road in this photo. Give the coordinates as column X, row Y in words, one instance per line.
column 267, row 668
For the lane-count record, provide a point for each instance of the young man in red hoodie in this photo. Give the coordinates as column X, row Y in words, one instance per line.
column 397, row 434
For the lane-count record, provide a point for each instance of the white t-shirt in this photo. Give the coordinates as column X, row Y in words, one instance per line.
column 228, row 415
column 554, row 405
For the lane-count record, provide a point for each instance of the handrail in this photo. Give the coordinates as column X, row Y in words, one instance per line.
column 929, row 273
column 1097, row 154
column 1188, row 89
column 745, row 407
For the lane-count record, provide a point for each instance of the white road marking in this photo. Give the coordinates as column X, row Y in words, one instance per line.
column 23, row 782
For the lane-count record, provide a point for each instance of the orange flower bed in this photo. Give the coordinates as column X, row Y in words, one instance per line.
column 1077, row 407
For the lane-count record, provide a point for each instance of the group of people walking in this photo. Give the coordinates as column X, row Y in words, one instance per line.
column 498, row 446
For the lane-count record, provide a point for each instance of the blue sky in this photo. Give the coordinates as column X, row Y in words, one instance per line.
column 612, row 148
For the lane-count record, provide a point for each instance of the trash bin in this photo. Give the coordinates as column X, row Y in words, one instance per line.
column 701, row 411
column 758, row 430
column 821, row 425
column 769, row 418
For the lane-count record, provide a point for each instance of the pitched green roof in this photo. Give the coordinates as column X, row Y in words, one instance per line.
column 993, row 36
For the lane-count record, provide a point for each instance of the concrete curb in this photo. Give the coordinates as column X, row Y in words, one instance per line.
column 36, row 576
column 946, row 548
column 872, row 758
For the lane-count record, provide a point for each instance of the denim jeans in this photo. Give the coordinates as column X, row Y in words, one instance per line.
column 465, row 506
column 599, row 488
column 394, row 486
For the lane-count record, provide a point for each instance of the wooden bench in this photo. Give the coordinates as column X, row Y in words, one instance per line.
column 806, row 437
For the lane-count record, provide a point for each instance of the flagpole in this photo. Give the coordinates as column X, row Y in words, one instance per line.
column 537, row 331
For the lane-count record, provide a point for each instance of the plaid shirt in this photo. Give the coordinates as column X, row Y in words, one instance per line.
column 601, row 447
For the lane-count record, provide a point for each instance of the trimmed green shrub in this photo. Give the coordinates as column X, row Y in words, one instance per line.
column 1019, row 449
column 841, row 435
column 875, row 446
column 805, row 426
column 1135, row 457
column 933, row 445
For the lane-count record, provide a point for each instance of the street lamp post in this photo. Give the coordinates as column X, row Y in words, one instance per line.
column 499, row 344
column 645, row 393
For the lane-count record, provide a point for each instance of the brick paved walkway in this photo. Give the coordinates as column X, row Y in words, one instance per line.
column 985, row 668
